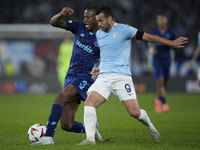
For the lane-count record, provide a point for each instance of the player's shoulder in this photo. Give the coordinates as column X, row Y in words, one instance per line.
column 99, row 32
column 125, row 27
column 170, row 30
column 155, row 30
column 75, row 23
column 120, row 25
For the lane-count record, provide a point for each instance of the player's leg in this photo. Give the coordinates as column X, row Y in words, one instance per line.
column 66, row 95
column 158, row 75
column 93, row 101
column 123, row 88
column 55, row 115
column 68, row 116
column 166, row 70
column 165, row 106
column 140, row 114
column 160, row 82
column 98, row 93
column 68, row 123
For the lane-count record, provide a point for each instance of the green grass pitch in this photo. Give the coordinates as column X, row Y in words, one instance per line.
column 179, row 128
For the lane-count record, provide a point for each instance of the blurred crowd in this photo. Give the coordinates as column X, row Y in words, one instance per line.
column 183, row 18
column 183, row 15
column 39, row 58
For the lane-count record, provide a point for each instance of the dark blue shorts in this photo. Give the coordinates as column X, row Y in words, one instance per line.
column 161, row 68
column 81, row 83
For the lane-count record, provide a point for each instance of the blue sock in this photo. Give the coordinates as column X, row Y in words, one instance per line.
column 77, row 127
column 56, row 113
column 162, row 99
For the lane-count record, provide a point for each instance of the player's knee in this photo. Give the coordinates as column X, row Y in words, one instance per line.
column 89, row 103
column 160, row 82
column 66, row 127
column 135, row 113
column 61, row 99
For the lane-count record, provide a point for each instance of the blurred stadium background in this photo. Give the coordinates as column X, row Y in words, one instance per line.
column 29, row 45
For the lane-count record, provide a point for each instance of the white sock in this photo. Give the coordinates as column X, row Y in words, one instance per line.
column 144, row 118
column 90, row 120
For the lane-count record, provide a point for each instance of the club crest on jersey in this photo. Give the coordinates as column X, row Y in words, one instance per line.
column 114, row 34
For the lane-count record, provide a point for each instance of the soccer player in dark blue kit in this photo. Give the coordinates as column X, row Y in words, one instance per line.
column 78, row 79
column 161, row 62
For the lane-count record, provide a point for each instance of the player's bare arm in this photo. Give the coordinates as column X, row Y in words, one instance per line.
column 56, row 20
column 178, row 43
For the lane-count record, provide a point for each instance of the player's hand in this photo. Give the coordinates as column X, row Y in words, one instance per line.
column 67, row 11
column 95, row 72
column 179, row 43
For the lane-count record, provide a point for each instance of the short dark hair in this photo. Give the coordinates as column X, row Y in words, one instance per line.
column 106, row 11
column 94, row 8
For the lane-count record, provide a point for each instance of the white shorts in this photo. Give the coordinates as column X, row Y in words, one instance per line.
column 119, row 85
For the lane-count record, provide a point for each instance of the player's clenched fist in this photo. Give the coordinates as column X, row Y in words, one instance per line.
column 66, row 11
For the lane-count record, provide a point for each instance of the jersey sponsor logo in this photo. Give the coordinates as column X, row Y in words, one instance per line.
column 84, row 47
column 82, row 84
column 114, row 34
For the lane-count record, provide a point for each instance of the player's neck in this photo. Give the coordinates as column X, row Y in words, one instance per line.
column 112, row 26
column 163, row 28
column 95, row 30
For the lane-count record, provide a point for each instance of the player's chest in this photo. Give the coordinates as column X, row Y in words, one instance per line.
column 110, row 39
column 166, row 35
column 86, row 42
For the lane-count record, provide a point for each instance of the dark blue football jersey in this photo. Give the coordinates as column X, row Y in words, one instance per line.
column 85, row 49
column 163, row 51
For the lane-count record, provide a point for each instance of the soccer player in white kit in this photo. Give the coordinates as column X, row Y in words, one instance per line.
column 115, row 77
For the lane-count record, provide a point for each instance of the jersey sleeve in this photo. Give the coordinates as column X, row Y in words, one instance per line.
column 73, row 26
column 130, row 31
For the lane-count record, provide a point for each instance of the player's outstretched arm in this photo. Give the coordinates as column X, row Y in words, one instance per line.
column 178, row 43
column 56, row 20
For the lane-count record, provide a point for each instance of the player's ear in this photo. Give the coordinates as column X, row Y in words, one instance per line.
column 109, row 18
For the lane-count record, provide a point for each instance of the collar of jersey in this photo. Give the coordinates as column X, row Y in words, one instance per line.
column 112, row 27
column 91, row 33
